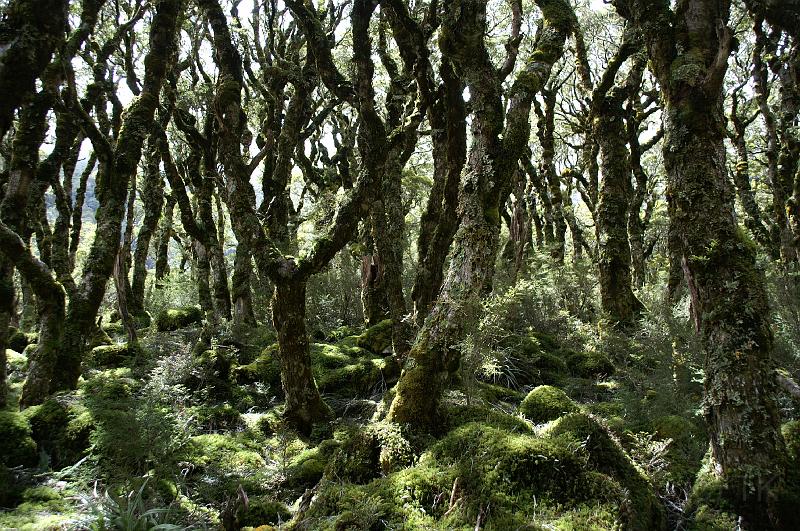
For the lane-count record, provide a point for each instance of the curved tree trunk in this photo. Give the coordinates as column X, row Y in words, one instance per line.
column 120, row 163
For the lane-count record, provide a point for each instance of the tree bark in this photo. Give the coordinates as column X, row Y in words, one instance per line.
column 117, row 164
column 689, row 51
column 490, row 165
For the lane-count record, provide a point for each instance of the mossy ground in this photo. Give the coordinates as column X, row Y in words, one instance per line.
column 198, row 433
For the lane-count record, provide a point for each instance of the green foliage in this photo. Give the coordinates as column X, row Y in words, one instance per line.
column 546, row 403
column 175, row 318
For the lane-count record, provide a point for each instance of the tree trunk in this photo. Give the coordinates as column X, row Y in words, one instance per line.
column 614, row 253
column 152, row 195
column 689, row 52
column 241, row 291
column 304, row 406
column 164, row 236
column 120, row 163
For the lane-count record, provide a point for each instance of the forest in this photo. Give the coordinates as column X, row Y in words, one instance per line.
column 400, row 264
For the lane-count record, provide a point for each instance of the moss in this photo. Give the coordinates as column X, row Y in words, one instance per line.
column 537, row 359
column 110, row 384
column 546, row 403
column 791, row 434
column 685, row 452
column 112, row 356
column 339, row 369
column 589, row 364
column 217, row 418
column 19, row 340
column 603, row 454
column 175, row 318
column 114, row 328
column 17, row 365
column 498, row 393
column 377, row 338
column 16, row 445
column 457, row 414
column 98, row 337
column 380, row 449
column 264, row 511
column 231, row 453
column 61, row 428
column 42, row 508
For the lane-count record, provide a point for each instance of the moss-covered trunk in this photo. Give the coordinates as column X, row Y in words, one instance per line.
column 241, row 291
column 730, row 303
column 164, row 236
column 304, row 406
column 689, row 51
column 152, row 196
column 614, row 253
column 120, row 162
column 30, row 31
column 440, row 220
column 491, row 163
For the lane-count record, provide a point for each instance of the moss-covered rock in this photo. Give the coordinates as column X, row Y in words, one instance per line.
column 263, row 511
column 61, row 427
column 339, row 369
column 176, row 318
column 41, row 508
column 113, row 356
column 377, row 338
column 546, row 403
column 589, row 364
column 17, row 447
column 379, row 449
column 19, row 340
column 98, row 337
column 604, row 454
column 534, row 359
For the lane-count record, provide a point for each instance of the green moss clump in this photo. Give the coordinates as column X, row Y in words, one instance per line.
column 339, row 369
column 176, row 318
column 546, row 403
column 19, row 340
column 17, row 366
column 112, row 356
column 61, row 428
column 376, row 338
column 589, row 364
column 381, row 448
column 17, row 447
column 605, row 455
column 217, row 418
column 498, row 393
column 262, row 511
column 791, row 435
column 115, row 328
column 110, row 384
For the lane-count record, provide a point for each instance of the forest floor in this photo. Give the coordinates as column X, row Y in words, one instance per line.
column 161, row 437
